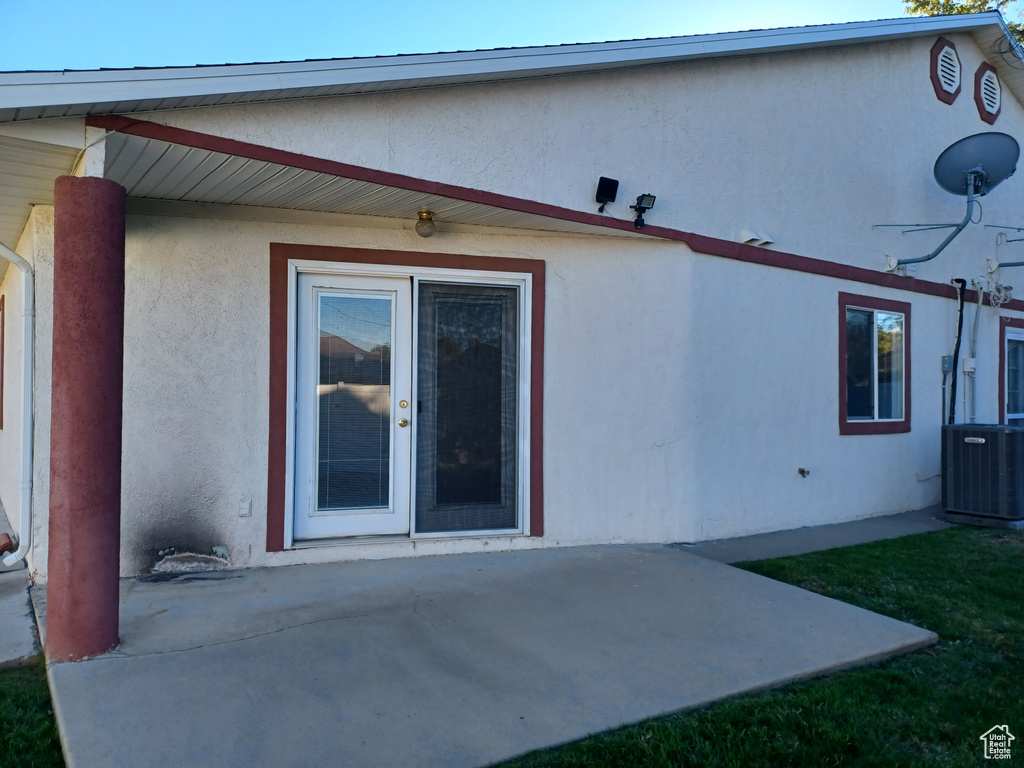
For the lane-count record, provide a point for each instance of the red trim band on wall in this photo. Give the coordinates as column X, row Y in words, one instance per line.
column 710, row 246
column 281, row 253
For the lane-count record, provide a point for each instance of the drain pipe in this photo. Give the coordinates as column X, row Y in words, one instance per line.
column 27, row 400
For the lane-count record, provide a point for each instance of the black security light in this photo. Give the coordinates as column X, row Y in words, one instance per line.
column 643, row 203
column 606, row 191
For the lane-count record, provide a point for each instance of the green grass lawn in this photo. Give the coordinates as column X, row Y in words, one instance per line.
column 28, row 733
column 925, row 709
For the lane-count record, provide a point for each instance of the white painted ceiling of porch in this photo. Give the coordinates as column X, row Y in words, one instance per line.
column 160, row 171
column 151, row 169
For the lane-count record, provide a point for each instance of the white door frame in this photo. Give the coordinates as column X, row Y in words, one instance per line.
column 394, row 517
column 522, row 280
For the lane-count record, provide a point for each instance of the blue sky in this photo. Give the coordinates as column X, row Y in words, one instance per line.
column 89, row 34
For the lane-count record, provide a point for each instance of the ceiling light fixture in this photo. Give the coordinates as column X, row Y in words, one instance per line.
column 425, row 226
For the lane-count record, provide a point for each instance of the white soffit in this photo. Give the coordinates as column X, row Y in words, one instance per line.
column 1005, row 55
column 27, row 172
column 150, row 169
column 36, row 95
column 156, row 172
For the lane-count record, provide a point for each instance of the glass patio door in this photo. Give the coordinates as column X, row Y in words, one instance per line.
column 467, row 402
column 407, row 398
column 353, row 388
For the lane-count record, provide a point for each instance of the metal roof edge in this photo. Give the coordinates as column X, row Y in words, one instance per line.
column 41, row 89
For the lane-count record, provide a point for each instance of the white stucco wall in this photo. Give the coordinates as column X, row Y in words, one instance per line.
column 10, row 435
column 810, row 147
column 196, row 386
column 41, row 226
column 36, row 246
column 682, row 391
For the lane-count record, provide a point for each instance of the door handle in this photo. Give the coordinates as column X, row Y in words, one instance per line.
column 403, row 422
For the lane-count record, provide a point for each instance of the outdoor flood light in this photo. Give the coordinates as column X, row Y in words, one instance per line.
column 425, row 226
column 643, row 203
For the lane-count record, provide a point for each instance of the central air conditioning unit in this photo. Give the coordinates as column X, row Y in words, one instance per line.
column 983, row 470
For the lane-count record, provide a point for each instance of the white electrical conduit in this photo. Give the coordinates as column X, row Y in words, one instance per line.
column 27, row 397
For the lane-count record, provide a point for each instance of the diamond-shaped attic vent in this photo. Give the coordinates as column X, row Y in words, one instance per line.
column 987, row 93
column 945, row 71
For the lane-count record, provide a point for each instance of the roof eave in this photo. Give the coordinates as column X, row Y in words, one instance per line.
column 32, row 95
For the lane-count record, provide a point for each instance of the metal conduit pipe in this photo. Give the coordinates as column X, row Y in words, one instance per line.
column 27, row 401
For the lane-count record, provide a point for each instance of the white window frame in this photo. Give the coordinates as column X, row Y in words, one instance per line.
column 522, row 280
column 1011, row 334
column 876, row 388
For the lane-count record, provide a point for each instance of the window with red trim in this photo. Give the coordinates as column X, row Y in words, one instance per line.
column 874, row 365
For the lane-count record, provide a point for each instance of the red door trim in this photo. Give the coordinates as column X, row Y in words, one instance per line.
column 281, row 253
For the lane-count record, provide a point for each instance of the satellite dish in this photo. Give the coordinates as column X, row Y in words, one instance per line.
column 984, row 159
column 971, row 167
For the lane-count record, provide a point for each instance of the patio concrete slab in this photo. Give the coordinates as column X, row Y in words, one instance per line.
column 18, row 644
column 442, row 661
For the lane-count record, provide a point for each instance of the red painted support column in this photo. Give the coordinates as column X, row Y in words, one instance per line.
column 85, row 427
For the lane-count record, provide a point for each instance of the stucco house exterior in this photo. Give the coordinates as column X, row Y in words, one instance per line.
column 221, row 327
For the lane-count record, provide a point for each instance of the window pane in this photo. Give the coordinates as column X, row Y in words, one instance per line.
column 860, row 387
column 354, row 392
column 468, row 400
column 890, row 365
